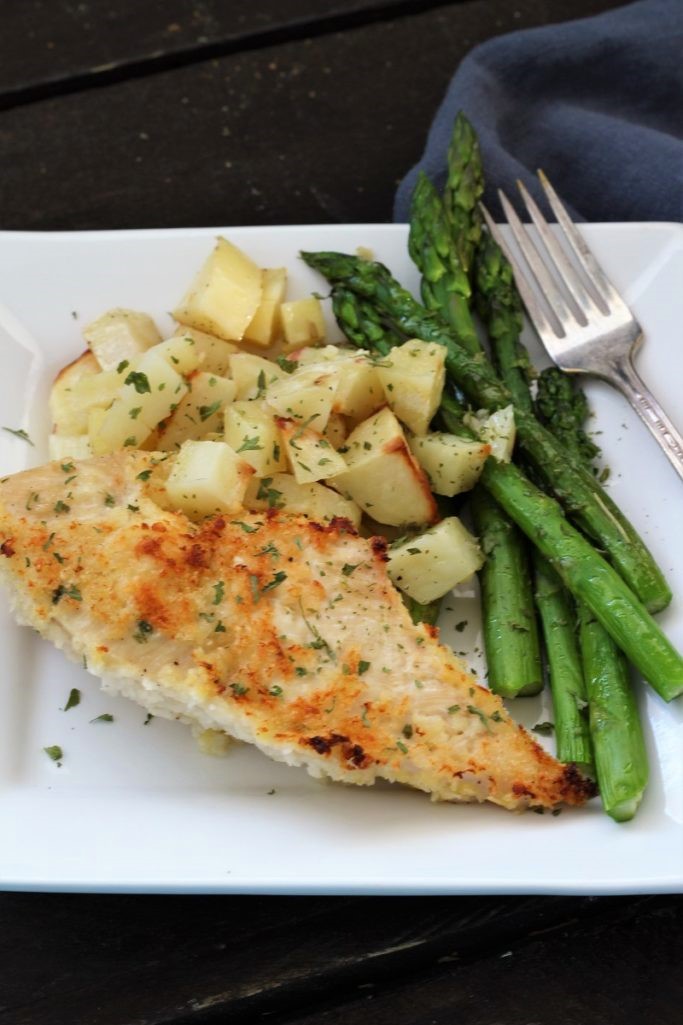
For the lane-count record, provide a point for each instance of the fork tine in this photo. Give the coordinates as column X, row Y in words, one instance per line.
column 604, row 287
column 570, row 278
column 533, row 306
column 538, row 269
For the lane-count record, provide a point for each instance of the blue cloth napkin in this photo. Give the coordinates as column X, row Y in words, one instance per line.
column 596, row 103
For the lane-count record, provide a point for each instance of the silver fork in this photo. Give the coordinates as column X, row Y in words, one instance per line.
column 587, row 331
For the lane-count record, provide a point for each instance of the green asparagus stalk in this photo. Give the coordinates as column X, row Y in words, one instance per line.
column 620, row 755
column 567, row 685
column 500, row 308
column 561, row 405
column 588, row 576
column 511, row 639
column 445, row 286
column 464, row 189
column 513, row 654
column 577, row 489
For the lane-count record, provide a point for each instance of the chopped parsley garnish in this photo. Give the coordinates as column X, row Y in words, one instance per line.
column 238, row 689
column 269, row 549
column 109, row 500
column 461, row 625
column 206, row 411
column 19, row 434
column 363, row 667
column 61, row 507
column 401, row 746
column 301, row 671
column 148, row 719
column 261, row 383
column 122, row 366
column 218, row 593
column 66, row 592
column 251, row 445
column 275, row 691
column 67, row 467
column 452, row 709
column 268, row 494
column 275, row 582
column 143, row 631
column 144, row 475
column 246, row 527
column 407, row 731
column 135, row 412
column 73, row 699
column 544, row 728
column 288, row 365
column 49, row 541
column 130, row 441
column 139, row 381
column 54, row 752
column 473, row 710
column 348, row 568
column 58, row 557
column 105, row 717
column 220, row 629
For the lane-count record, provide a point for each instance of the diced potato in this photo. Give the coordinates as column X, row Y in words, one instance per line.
column 336, row 430
column 225, row 294
column 267, row 320
column 382, row 476
column 307, row 394
column 452, row 464
column 100, row 390
column 149, row 395
column 207, row 477
column 413, row 377
column 200, row 412
column 251, row 431
column 253, row 375
column 213, row 353
column 120, row 335
column 64, row 446
column 215, row 743
column 181, row 352
column 311, row 457
column 429, row 565
column 67, row 417
column 302, row 323
column 360, row 392
column 281, row 491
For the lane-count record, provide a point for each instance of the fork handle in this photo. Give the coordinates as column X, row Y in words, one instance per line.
column 670, row 440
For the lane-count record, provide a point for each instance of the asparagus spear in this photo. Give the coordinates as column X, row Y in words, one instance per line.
column 511, row 638
column 588, row 576
column 511, row 641
column 561, row 405
column 445, row 286
column 620, row 755
column 464, row 189
column 575, row 486
column 500, row 308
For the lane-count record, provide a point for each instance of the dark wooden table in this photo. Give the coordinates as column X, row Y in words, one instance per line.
column 122, row 114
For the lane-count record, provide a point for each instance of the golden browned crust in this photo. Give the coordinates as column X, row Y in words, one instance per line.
column 279, row 630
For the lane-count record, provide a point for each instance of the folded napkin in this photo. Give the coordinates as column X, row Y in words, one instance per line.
column 597, row 103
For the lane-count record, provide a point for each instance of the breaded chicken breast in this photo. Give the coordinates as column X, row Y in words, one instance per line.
column 277, row 630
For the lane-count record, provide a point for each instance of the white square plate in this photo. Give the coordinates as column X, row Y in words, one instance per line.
column 138, row 808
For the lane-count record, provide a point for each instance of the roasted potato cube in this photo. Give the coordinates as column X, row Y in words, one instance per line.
column 429, row 565
column 200, row 412
column 452, row 464
column 207, row 477
column 266, row 322
column 302, row 323
column 281, row 491
column 307, row 394
column 251, row 431
column 336, row 430
column 253, row 375
column 360, row 392
column 181, row 352
column 311, row 457
column 318, row 354
column 382, row 477
column 213, row 354
column 65, row 446
column 225, row 294
column 67, row 415
column 499, row 430
column 413, row 376
column 120, row 335
column 149, row 394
